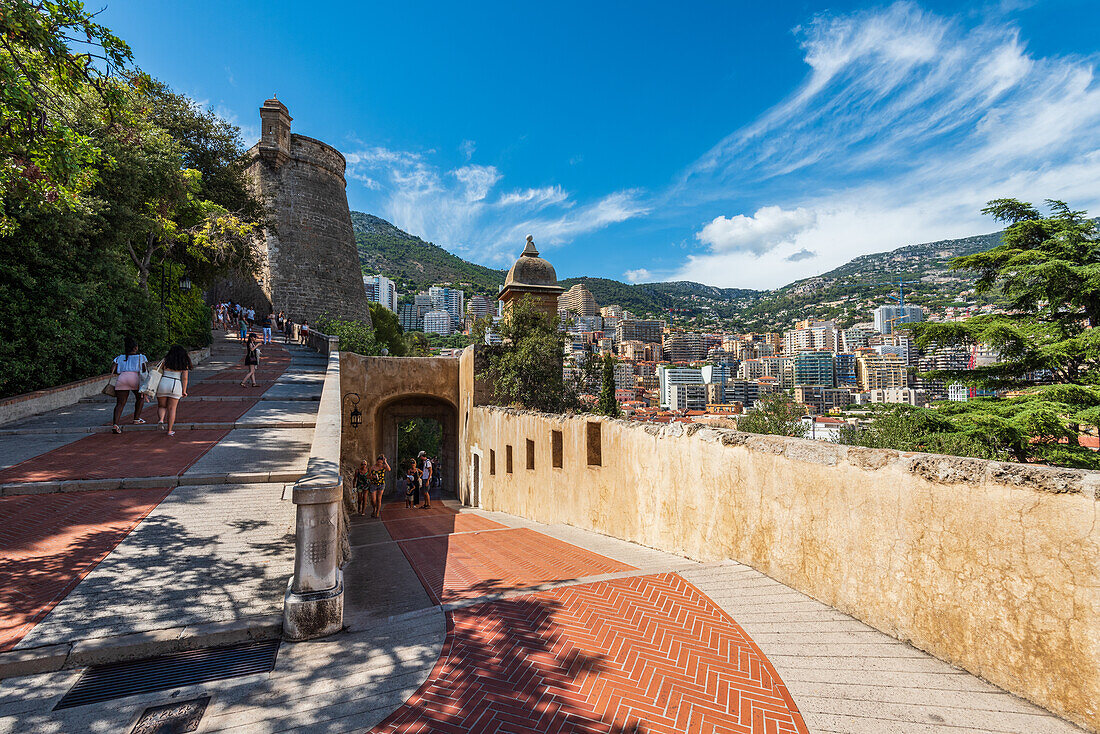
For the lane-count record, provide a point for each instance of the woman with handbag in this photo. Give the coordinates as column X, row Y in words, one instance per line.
column 172, row 386
column 129, row 368
column 251, row 358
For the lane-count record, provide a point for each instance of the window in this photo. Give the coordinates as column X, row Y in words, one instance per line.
column 492, row 462
column 530, row 454
column 555, row 449
column 595, row 450
column 508, row 458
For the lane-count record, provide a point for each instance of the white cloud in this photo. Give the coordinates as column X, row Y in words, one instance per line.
column 478, row 180
column 906, row 124
column 641, row 275
column 769, row 227
column 467, row 148
column 458, row 209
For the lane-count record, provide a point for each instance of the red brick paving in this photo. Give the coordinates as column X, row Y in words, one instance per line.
column 50, row 542
column 425, row 525
column 454, row 567
column 648, row 653
column 107, row 456
column 207, row 411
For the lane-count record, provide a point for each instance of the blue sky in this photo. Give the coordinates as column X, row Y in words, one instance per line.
column 737, row 144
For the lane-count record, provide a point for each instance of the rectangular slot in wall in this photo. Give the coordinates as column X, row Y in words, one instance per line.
column 555, row 449
column 530, row 454
column 508, row 458
column 595, row 448
column 492, row 462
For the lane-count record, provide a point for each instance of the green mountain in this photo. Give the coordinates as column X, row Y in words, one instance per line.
column 414, row 264
column 847, row 293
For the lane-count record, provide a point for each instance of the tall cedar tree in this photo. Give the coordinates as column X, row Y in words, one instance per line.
column 608, row 405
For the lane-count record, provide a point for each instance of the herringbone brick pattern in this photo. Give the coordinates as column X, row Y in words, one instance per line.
column 642, row 654
column 454, row 567
column 50, row 542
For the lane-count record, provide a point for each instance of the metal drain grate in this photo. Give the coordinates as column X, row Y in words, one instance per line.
column 115, row 680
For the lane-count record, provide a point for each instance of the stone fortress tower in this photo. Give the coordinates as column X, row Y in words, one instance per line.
column 311, row 262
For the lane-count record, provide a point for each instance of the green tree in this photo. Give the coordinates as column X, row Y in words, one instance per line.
column 388, row 331
column 355, row 336
column 775, row 414
column 416, row 435
column 526, row 370
column 417, row 344
column 608, row 405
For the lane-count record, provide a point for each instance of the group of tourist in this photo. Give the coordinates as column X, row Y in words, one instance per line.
column 230, row 316
column 421, row 477
column 131, row 374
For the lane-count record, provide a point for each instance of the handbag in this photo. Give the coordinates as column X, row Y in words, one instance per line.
column 151, row 379
column 109, row 388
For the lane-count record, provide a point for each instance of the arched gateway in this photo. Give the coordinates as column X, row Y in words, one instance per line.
column 389, row 391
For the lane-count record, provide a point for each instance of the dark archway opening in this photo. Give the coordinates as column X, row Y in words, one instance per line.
column 412, row 424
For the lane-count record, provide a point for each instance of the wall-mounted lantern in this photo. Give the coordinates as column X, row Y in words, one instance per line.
column 356, row 417
column 185, row 284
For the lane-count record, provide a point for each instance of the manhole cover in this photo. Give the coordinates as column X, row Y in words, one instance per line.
column 172, row 718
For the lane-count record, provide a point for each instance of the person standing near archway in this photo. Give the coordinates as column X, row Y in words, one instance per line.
column 426, row 479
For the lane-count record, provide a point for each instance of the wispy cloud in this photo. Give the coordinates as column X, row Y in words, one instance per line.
column 640, row 275
column 906, row 123
column 461, row 209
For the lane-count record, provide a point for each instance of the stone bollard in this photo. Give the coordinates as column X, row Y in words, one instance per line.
column 314, row 602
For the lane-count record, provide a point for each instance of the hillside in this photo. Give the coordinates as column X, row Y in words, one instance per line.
column 414, row 264
column 847, row 293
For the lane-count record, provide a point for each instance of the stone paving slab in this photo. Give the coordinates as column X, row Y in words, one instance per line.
column 50, row 543
column 207, row 553
column 257, row 450
column 282, row 411
column 17, row 449
column 848, row 677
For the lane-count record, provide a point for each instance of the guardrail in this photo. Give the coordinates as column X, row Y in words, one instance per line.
column 314, row 601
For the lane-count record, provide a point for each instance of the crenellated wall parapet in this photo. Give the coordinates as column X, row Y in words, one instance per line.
column 992, row 566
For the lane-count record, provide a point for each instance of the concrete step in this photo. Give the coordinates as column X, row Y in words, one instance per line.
column 154, row 427
column 88, row 485
column 100, row 650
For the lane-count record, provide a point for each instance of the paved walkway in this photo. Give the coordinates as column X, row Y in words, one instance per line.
column 565, row 631
column 123, row 550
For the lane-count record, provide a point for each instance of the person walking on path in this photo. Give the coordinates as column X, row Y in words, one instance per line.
column 269, row 324
column 426, row 479
column 251, row 359
column 129, row 366
column 377, row 484
column 172, row 386
column 362, row 484
column 288, row 329
column 242, row 326
column 412, row 484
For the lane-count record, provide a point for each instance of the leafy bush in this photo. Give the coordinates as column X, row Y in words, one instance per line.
column 355, row 336
column 776, row 414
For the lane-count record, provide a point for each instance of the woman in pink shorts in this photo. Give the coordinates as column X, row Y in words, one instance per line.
column 129, row 367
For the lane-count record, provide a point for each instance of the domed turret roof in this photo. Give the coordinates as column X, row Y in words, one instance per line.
column 531, row 270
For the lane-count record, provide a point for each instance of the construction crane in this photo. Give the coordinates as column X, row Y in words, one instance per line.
column 900, row 297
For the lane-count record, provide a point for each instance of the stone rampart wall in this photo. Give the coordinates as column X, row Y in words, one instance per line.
column 312, row 265
column 994, row 567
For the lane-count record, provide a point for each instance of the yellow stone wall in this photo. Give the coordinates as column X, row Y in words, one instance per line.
column 990, row 566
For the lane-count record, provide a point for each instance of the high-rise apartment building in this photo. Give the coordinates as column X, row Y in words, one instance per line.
column 887, row 317
column 411, row 316
column 687, row 397
column 647, row 332
column 819, row 399
column 815, row 335
column 668, row 376
column 750, row 369
column 451, row 300
column 685, row 347
column 844, row 368
column 612, row 312
column 880, row 371
column 381, row 289
column 814, row 368
column 578, row 300
column 439, row 322
column 479, row 306
column 747, row 392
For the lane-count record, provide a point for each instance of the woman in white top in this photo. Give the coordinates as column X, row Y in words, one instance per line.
column 172, row 386
column 129, row 367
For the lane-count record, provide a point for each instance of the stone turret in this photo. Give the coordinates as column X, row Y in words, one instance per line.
column 311, row 262
column 531, row 276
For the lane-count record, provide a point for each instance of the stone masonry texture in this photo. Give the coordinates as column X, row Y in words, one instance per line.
column 312, row 263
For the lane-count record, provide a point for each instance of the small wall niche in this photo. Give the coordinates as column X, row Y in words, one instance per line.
column 556, row 449
column 492, row 462
column 530, row 454
column 508, row 458
column 594, row 444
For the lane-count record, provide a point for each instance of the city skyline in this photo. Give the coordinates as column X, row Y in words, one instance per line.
column 734, row 147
